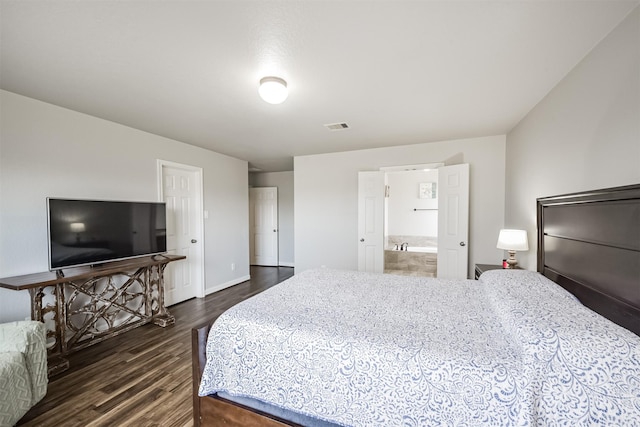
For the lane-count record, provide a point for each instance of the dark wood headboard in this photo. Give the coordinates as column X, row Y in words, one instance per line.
column 589, row 243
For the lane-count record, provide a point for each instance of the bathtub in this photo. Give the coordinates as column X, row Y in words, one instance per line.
column 423, row 249
column 415, row 261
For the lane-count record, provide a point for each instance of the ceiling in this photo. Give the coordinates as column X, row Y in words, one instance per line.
column 397, row 72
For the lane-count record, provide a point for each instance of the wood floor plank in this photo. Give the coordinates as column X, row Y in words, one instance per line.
column 141, row 377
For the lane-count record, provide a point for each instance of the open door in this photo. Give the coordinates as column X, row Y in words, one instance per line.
column 181, row 189
column 453, row 221
column 371, row 221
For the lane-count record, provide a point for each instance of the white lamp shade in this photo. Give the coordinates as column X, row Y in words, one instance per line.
column 273, row 90
column 513, row 240
column 78, row 227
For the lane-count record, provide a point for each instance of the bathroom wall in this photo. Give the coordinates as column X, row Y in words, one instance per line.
column 404, row 197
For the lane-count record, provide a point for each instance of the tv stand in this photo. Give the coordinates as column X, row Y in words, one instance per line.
column 86, row 305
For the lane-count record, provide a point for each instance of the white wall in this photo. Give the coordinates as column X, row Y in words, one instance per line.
column 326, row 191
column 584, row 135
column 284, row 182
column 403, row 198
column 48, row 151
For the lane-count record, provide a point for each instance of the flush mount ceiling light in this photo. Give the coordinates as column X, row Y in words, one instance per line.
column 273, row 90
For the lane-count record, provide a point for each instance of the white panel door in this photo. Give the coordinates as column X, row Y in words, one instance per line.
column 181, row 193
column 263, row 220
column 371, row 221
column 453, row 221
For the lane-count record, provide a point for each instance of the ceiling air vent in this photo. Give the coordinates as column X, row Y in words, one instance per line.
column 337, row 126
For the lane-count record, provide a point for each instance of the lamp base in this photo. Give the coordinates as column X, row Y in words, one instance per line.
column 512, row 262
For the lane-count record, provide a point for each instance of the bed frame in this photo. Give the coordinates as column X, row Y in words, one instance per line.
column 589, row 243
column 215, row 410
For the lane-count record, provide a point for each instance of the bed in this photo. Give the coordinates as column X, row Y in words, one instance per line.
column 514, row 348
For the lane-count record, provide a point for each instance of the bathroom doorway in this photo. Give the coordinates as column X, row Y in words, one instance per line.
column 411, row 221
column 375, row 239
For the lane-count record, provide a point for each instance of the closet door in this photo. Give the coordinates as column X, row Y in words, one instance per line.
column 263, row 221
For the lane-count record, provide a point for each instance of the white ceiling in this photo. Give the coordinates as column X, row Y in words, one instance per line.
column 398, row 72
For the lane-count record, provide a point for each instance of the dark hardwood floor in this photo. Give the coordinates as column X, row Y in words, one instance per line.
column 142, row 377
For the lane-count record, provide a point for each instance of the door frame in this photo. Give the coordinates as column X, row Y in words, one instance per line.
column 408, row 168
column 383, row 171
column 200, row 290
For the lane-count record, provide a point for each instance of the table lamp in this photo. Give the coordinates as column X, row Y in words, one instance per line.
column 512, row 241
column 78, row 227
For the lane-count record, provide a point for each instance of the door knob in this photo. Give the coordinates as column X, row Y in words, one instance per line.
column 194, row 241
column 462, row 244
column 362, row 240
column 275, row 230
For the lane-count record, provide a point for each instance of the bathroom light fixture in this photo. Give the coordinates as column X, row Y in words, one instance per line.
column 512, row 241
column 273, row 90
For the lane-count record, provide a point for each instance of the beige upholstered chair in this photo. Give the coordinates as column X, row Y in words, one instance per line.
column 23, row 369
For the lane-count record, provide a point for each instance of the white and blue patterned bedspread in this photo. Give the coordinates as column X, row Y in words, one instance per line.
column 364, row 349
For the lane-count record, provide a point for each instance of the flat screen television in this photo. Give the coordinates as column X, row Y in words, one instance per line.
column 85, row 232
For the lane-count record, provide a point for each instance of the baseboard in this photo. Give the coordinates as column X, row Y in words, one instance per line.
column 226, row 285
column 286, row 264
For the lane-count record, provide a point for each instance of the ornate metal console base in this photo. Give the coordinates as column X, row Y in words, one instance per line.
column 88, row 305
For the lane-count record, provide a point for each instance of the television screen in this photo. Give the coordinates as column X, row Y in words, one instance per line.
column 83, row 232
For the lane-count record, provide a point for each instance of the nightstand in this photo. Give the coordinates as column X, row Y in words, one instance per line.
column 481, row 268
